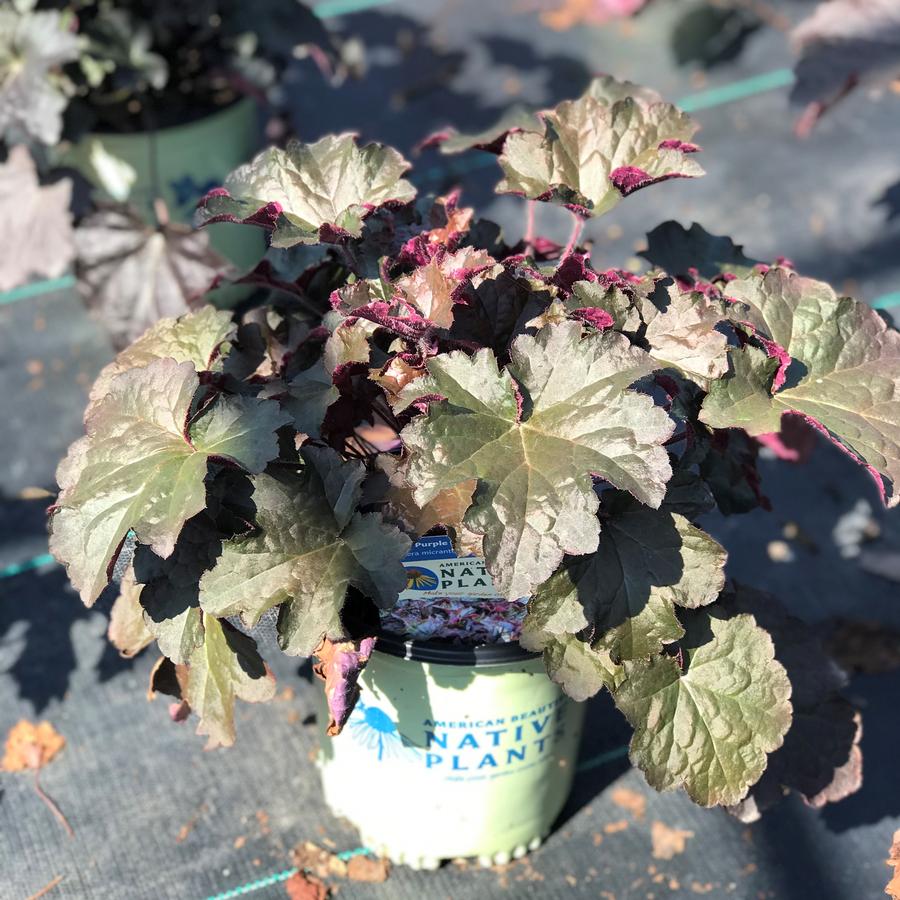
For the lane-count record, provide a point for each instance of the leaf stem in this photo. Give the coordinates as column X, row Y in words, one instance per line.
column 530, row 209
column 574, row 235
column 46, row 888
column 53, row 808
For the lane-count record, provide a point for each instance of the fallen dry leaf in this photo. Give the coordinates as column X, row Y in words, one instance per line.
column 312, row 858
column 668, row 842
column 305, row 887
column 613, row 827
column 30, row 746
column 368, row 868
column 631, row 801
column 893, row 889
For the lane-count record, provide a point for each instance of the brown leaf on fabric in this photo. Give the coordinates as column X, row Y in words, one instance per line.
column 306, row 887
column 630, row 800
column 368, row 868
column 35, row 223
column 310, row 857
column 893, row 860
column 668, row 842
column 31, row 746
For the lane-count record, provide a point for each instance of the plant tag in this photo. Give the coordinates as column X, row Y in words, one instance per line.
column 433, row 570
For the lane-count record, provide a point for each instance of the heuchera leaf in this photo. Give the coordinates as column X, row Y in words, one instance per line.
column 532, row 435
column 306, row 397
column 623, row 597
column 844, row 378
column 580, row 669
column 32, row 219
column 706, row 725
column 311, row 192
column 34, row 46
column 339, row 664
column 127, row 631
column 600, row 148
column 682, row 333
column 499, row 308
column 517, row 118
column 169, row 596
column 225, row 667
column 688, row 253
column 434, row 289
column 820, row 758
column 447, row 508
column 133, row 275
column 311, row 544
column 142, row 466
column 199, row 338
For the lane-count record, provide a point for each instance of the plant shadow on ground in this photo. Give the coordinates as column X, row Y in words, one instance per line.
column 602, row 757
column 38, row 612
column 416, row 84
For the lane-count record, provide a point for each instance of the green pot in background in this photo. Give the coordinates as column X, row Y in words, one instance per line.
column 181, row 164
column 453, row 752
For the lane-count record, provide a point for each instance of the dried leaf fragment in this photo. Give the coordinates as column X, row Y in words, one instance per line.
column 322, row 863
column 668, row 842
column 31, row 746
column 306, row 887
column 367, row 868
column 893, row 860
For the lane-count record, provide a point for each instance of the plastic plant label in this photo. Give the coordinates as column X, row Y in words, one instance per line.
column 434, row 571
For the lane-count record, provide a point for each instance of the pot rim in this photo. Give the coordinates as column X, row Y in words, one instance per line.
column 447, row 653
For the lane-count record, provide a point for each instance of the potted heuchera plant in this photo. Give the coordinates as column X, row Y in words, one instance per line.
column 411, row 374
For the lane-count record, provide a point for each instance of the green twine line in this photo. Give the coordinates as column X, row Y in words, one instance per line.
column 331, row 8
column 737, row 90
column 35, row 289
column 601, row 759
column 886, row 300
column 278, row 877
column 268, row 881
column 45, row 559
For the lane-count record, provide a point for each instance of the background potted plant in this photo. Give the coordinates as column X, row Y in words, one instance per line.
column 571, row 426
column 153, row 103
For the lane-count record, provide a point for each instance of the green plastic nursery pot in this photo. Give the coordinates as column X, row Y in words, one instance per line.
column 182, row 163
column 452, row 752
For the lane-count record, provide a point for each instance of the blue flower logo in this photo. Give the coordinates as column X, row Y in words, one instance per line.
column 374, row 729
column 420, row 579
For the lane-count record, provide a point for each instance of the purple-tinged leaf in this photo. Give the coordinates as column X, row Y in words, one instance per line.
column 339, row 664
column 597, row 149
column 845, row 378
column 311, row 193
